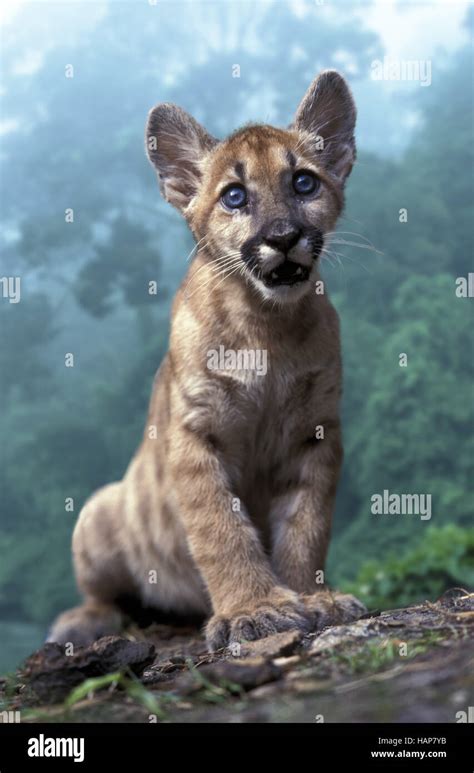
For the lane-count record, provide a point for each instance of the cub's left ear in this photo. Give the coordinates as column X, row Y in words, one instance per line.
column 327, row 113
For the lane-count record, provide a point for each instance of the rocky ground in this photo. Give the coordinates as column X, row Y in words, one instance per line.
column 402, row 665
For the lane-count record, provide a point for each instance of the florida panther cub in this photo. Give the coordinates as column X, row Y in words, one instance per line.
column 225, row 509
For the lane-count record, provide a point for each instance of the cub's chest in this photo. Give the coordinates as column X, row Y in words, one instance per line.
column 278, row 406
column 251, row 402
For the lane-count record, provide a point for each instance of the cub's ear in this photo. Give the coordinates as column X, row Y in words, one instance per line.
column 327, row 113
column 176, row 145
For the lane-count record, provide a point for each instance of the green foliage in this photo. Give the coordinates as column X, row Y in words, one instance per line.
column 107, row 278
column 377, row 655
column 408, row 429
column 129, row 683
column 210, row 692
column 443, row 559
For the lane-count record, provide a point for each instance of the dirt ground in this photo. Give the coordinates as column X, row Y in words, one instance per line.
column 402, row 665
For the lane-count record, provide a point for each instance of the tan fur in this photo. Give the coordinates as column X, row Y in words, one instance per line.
column 228, row 500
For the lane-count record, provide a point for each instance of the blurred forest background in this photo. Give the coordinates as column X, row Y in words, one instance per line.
column 77, row 142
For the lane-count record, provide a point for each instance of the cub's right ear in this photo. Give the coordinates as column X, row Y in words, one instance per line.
column 176, row 145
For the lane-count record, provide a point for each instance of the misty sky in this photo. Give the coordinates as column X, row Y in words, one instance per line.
column 406, row 27
column 408, row 30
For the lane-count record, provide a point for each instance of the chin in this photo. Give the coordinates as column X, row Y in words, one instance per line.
column 284, row 294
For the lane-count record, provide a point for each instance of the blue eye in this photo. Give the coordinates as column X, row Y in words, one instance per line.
column 234, row 197
column 305, row 183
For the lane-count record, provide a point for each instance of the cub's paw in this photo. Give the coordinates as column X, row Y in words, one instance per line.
column 327, row 607
column 85, row 624
column 281, row 611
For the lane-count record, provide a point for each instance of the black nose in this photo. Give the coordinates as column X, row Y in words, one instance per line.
column 281, row 235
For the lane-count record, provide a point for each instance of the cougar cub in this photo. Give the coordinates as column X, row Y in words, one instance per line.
column 226, row 507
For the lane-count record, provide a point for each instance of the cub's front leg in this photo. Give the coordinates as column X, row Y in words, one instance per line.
column 301, row 527
column 247, row 600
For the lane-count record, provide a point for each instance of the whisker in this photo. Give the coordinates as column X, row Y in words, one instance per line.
column 350, row 243
column 196, row 246
column 333, row 254
column 355, row 244
column 348, row 233
column 216, row 261
column 347, row 257
column 227, row 276
column 215, row 276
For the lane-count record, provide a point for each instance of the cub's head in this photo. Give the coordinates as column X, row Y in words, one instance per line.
column 261, row 201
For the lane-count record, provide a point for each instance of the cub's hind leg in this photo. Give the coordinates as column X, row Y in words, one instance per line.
column 101, row 571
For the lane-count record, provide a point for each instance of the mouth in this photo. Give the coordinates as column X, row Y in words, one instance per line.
column 287, row 273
